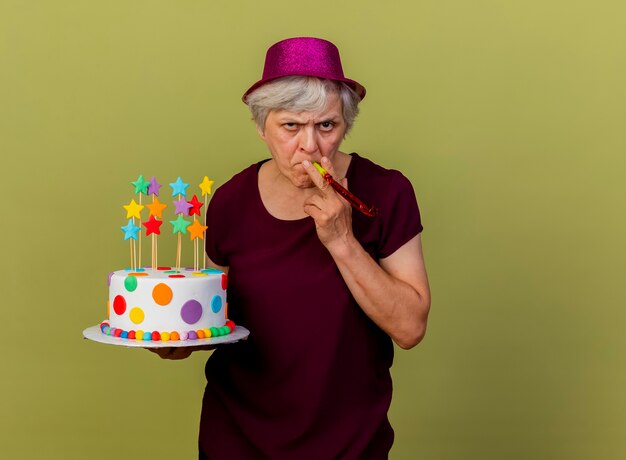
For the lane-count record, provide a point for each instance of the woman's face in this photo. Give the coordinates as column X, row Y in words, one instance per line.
column 294, row 137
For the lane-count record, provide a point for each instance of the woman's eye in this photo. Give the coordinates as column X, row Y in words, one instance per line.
column 327, row 125
column 290, row 126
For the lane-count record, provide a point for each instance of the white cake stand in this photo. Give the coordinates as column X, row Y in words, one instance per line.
column 94, row 333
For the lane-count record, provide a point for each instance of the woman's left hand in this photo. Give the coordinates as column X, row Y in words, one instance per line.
column 331, row 213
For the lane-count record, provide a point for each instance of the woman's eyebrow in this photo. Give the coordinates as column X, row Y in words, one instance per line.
column 301, row 120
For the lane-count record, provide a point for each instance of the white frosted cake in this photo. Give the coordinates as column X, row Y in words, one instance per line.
column 167, row 304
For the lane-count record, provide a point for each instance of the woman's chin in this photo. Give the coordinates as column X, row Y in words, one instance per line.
column 304, row 184
column 302, row 181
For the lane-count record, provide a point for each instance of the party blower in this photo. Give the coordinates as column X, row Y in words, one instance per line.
column 369, row 211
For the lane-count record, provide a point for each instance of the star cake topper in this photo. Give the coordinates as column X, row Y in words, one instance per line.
column 153, row 188
column 195, row 206
column 206, row 185
column 130, row 230
column 141, row 185
column 179, row 187
column 196, row 230
column 180, row 225
column 133, row 209
column 156, row 208
column 153, row 226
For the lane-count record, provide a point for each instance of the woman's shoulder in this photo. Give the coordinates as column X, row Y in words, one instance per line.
column 368, row 172
column 238, row 185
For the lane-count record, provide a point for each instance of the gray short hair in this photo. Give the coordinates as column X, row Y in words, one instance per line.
column 301, row 94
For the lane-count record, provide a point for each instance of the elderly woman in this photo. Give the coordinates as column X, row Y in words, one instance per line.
column 323, row 288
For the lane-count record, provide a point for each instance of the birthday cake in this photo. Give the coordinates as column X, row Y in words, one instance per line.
column 166, row 303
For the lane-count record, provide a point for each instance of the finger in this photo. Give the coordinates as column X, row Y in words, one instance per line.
column 316, row 177
column 163, row 352
column 172, row 353
column 313, row 206
column 328, row 166
column 324, row 209
column 181, row 353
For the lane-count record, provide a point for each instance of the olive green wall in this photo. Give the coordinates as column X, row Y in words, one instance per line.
column 508, row 117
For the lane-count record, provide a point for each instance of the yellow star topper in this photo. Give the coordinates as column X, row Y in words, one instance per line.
column 196, row 230
column 206, row 185
column 156, row 208
column 133, row 209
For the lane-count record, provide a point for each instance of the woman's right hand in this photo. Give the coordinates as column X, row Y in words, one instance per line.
column 176, row 353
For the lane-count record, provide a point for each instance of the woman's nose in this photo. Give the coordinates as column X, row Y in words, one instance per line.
column 308, row 141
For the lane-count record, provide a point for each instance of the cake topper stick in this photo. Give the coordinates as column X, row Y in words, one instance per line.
column 179, row 188
column 130, row 233
column 178, row 253
column 141, row 187
column 139, row 265
column 205, row 186
column 132, row 210
column 156, row 210
column 196, row 230
column 369, row 211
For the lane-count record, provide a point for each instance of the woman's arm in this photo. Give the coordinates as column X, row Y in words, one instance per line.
column 394, row 294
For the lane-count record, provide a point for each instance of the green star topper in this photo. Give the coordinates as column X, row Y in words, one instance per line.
column 180, row 225
column 141, row 185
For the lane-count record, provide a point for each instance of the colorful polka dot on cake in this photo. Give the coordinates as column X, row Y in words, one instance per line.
column 130, row 283
column 216, row 304
column 191, row 312
column 162, row 294
column 119, row 305
column 136, row 315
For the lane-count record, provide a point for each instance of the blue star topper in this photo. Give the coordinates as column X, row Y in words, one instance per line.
column 130, row 230
column 179, row 187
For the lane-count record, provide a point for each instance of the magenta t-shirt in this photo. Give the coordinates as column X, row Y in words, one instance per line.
column 312, row 381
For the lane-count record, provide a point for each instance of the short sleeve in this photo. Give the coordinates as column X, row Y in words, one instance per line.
column 400, row 215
